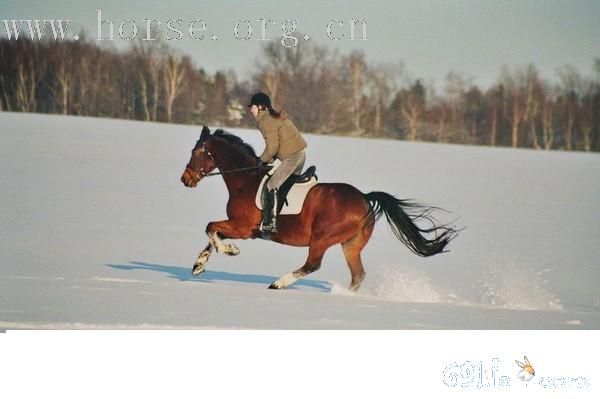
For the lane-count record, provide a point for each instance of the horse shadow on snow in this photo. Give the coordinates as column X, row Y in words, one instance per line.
column 184, row 274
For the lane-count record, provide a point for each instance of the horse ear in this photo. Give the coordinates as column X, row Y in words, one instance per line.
column 205, row 133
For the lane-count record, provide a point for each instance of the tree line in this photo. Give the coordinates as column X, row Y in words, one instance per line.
column 324, row 91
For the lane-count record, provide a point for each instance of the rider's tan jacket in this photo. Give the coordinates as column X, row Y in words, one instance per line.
column 281, row 136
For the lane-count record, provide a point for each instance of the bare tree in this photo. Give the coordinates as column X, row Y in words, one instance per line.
column 30, row 70
column 473, row 112
column 495, row 101
column 382, row 83
column 358, row 70
column 456, row 85
column 441, row 111
column 98, row 80
column 216, row 109
column 271, row 80
column 61, row 80
column 586, row 115
column 26, row 87
column 518, row 113
column 548, row 132
column 571, row 90
column 4, row 89
column 413, row 107
column 595, row 101
column 3, row 94
column 149, row 62
column 174, row 75
column 516, row 97
column 534, row 102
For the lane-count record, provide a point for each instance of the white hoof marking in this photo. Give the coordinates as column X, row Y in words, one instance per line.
column 221, row 247
column 231, row 250
column 203, row 258
column 285, row 281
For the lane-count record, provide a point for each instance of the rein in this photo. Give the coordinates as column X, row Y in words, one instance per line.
column 220, row 172
column 229, row 171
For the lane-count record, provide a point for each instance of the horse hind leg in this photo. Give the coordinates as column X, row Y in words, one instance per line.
column 312, row 264
column 352, row 249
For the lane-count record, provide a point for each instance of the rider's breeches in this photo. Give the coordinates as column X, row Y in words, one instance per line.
column 291, row 165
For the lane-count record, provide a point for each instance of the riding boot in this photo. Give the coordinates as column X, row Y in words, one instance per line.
column 269, row 224
column 274, row 211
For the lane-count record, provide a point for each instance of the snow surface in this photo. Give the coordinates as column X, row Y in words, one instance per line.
column 97, row 231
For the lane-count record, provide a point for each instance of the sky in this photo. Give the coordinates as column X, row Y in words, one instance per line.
column 430, row 38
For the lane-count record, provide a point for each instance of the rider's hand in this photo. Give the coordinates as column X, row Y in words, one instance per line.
column 261, row 164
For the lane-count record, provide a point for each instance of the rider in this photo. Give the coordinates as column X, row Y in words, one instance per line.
column 282, row 141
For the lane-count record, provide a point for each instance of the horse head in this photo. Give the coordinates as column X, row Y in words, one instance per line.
column 201, row 162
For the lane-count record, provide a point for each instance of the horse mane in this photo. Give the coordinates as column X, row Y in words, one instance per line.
column 236, row 142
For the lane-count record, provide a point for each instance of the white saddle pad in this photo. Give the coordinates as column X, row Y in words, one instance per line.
column 295, row 197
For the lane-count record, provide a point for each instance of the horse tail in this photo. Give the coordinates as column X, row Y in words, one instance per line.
column 402, row 217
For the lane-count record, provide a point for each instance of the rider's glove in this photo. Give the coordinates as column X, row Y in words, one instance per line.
column 261, row 164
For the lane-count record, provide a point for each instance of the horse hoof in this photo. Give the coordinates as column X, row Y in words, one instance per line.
column 198, row 269
column 232, row 250
column 274, row 286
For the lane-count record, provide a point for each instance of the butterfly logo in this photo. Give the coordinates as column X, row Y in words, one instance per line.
column 527, row 372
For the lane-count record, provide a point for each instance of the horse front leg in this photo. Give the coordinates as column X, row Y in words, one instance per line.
column 216, row 232
column 220, row 246
column 202, row 260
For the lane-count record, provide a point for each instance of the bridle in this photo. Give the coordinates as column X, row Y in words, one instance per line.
column 221, row 172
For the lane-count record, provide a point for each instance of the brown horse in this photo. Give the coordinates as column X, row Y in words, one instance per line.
column 333, row 213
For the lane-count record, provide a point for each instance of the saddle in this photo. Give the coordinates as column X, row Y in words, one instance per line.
column 292, row 192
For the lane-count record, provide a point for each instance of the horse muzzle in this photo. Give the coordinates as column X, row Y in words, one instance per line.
column 189, row 178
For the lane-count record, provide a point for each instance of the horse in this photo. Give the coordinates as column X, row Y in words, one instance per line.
column 332, row 213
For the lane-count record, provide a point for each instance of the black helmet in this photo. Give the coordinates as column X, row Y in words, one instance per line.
column 260, row 98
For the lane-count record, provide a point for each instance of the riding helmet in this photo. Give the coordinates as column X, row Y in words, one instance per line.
column 260, row 98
